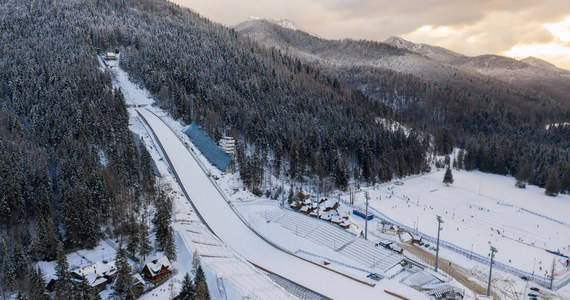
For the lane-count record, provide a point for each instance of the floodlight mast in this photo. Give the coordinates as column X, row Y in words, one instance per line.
column 439, row 222
column 493, row 250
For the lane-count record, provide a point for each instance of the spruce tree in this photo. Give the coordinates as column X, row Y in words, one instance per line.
column 448, row 177
column 123, row 283
column 145, row 246
column 37, row 285
column 9, row 272
column 169, row 245
column 200, row 277
column 188, row 291
column 521, row 176
column 161, row 220
column 565, row 181
column 85, row 291
column 202, row 292
column 134, row 238
column 195, row 262
column 552, row 187
column 63, row 289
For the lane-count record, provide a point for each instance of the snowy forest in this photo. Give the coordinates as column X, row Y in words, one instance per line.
column 282, row 108
column 72, row 173
column 501, row 125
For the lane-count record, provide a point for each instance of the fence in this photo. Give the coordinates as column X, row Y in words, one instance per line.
column 541, row 280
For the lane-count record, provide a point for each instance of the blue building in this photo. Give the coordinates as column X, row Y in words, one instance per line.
column 208, row 147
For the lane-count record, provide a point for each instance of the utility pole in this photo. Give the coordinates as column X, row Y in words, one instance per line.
column 366, row 218
column 439, row 222
column 493, row 250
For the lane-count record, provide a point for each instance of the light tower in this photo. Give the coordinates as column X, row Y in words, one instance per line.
column 439, row 222
column 493, row 250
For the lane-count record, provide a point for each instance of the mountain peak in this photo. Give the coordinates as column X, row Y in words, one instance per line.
column 542, row 64
column 287, row 24
column 433, row 52
column 283, row 23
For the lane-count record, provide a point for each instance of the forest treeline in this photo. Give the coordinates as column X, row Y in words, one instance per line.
column 70, row 171
column 501, row 127
column 497, row 119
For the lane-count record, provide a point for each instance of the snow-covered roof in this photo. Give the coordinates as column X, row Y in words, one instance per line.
column 111, row 54
column 329, row 203
column 156, row 265
column 137, row 279
column 336, row 219
column 326, row 216
column 95, row 273
column 97, row 268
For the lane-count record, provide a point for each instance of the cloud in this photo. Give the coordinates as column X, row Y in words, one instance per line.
column 472, row 27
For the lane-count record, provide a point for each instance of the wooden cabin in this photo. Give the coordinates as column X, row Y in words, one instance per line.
column 157, row 270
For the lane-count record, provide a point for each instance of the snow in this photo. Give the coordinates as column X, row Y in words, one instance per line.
column 480, row 210
column 134, row 95
column 235, row 278
column 282, row 23
column 86, row 259
column 223, row 221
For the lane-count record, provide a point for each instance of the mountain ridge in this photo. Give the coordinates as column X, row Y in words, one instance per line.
column 424, row 61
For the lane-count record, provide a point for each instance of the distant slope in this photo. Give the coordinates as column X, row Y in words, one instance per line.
column 531, row 80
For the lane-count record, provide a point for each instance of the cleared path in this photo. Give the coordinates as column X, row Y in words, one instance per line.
column 222, row 220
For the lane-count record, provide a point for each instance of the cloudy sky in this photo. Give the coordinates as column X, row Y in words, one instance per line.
column 515, row 28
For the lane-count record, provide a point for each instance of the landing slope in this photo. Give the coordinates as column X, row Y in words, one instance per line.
column 229, row 228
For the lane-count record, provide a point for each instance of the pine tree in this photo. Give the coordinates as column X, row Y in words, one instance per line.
column 188, row 291
column 565, row 181
column 460, row 156
column 148, row 179
column 37, row 286
column 195, row 262
column 161, row 220
column 552, row 187
column 170, row 246
column 85, row 291
column 448, row 177
column 145, row 246
column 9, row 272
column 123, row 283
column 521, row 176
column 200, row 277
column 202, row 292
column 134, row 237
column 63, row 289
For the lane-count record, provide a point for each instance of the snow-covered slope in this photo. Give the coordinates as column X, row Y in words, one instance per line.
column 539, row 63
column 223, row 221
column 422, row 60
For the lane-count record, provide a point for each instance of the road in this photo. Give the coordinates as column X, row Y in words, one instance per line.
column 223, row 222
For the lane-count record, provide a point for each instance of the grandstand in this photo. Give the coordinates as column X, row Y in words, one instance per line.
column 356, row 249
column 208, row 147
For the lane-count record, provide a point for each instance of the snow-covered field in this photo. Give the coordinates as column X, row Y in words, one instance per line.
column 480, row 210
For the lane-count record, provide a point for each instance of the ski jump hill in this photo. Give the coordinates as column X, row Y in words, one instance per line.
column 226, row 225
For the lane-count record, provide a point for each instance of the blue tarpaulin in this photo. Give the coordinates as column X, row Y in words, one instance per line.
column 208, row 147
